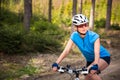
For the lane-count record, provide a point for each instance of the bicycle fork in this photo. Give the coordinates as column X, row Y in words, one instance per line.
column 77, row 76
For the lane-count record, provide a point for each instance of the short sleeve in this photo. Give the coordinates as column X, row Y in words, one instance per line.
column 72, row 37
column 93, row 36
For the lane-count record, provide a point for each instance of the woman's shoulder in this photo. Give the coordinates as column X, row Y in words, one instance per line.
column 93, row 36
column 74, row 33
column 91, row 33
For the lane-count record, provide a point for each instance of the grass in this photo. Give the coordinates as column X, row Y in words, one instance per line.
column 12, row 73
column 11, row 70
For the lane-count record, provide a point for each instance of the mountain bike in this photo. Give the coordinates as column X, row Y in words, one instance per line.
column 73, row 71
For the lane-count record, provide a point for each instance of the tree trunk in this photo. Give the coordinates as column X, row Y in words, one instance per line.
column 50, row 10
column 108, row 14
column 0, row 7
column 27, row 13
column 74, row 7
column 80, row 8
column 74, row 11
column 92, row 14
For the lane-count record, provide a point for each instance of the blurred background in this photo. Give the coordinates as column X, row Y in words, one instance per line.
column 29, row 28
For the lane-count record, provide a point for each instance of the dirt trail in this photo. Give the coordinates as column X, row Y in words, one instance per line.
column 111, row 73
column 45, row 61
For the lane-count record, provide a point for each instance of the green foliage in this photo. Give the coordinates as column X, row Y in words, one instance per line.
column 115, row 26
column 100, row 23
column 8, row 17
column 29, row 69
column 43, row 36
column 63, row 15
column 10, row 38
column 11, row 32
column 115, row 17
column 13, row 74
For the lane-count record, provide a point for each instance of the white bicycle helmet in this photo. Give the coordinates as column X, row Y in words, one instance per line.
column 79, row 19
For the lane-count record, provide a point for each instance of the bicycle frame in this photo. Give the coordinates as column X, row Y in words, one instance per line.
column 77, row 72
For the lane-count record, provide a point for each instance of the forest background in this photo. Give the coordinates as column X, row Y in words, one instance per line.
column 44, row 35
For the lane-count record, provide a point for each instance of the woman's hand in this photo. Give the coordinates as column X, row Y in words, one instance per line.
column 55, row 67
column 94, row 68
column 93, row 71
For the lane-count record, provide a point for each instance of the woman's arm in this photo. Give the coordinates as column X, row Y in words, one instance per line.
column 97, row 51
column 65, row 51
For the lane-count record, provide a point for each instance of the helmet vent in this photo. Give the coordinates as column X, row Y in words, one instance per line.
column 75, row 22
column 81, row 17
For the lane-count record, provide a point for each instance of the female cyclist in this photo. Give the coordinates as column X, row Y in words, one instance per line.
column 88, row 42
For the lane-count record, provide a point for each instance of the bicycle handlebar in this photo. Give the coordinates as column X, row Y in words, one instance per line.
column 69, row 70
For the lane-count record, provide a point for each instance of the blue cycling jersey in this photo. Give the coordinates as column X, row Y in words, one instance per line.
column 86, row 44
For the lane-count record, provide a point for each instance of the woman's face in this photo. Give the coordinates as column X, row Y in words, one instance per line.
column 82, row 28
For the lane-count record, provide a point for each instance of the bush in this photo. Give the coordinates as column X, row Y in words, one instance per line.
column 100, row 23
column 43, row 36
column 115, row 26
column 11, row 39
column 9, row 17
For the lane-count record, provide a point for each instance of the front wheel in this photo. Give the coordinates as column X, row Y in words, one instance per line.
column 77, row 79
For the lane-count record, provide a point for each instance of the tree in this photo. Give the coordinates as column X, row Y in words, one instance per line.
column 74, row 11
column 108, row 14
column 92, row 14
column 80, row 8
column 49, row 10
column 0, row 6
column 27, row 13
column 74, row 8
